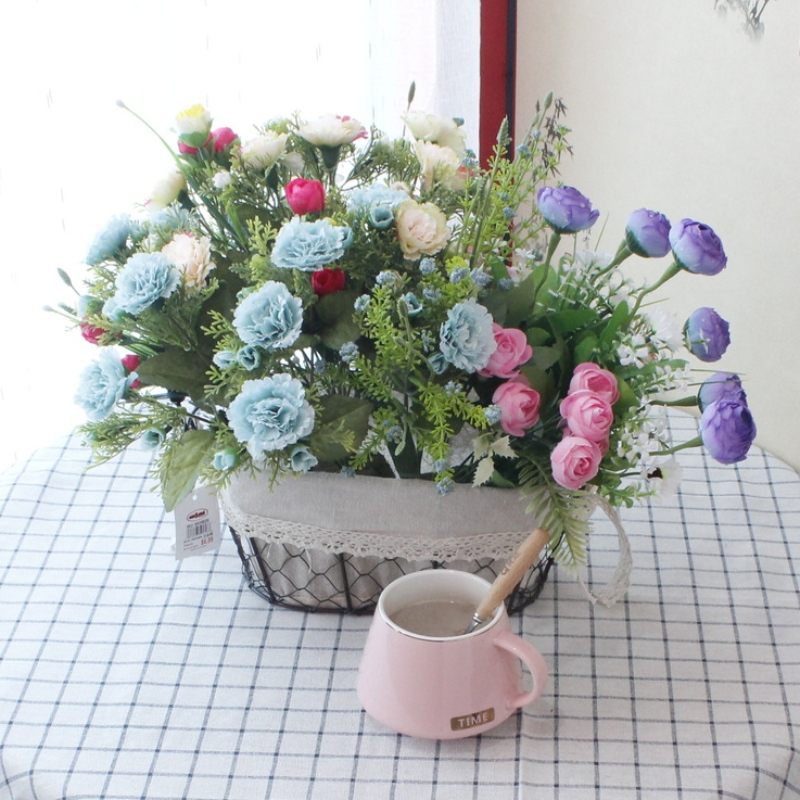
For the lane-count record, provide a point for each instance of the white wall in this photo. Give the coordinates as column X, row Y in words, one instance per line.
column 675, row 108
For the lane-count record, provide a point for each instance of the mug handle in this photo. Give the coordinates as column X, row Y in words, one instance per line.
column 532, row 659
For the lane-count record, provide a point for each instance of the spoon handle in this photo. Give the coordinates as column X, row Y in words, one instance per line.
column 512, row 573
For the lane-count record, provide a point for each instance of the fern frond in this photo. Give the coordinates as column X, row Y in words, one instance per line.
column 563, row 513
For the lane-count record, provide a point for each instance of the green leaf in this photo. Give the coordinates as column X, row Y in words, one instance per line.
column 627, row 397
column 545, row 357
column 615, row 322
column 340, row 428
column 520, row 301
column 537, row 336
column 499, row 480
column 176, row 370
column 496, row 304
column 565, row 322
column 335, row 312
column 585, row 347
column 541, row 381
column 186, row 459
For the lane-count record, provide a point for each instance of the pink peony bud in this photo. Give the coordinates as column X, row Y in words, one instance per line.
column 304, row 196
column 595, row 379
column 519, row 406
column 588, row 415
column 512, row 351
column 575, row 461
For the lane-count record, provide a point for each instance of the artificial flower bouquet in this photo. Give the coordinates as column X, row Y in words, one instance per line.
column 321, row 297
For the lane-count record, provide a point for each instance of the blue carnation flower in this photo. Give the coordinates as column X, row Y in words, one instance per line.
column 270, row 317
column 378, row 202
column 225, row 460
column 413, row 304
column 307, row 246
column 102, row 385
column 270, row 414
column 109, row 241
column 145, row 278
column 466, row 337
column 224, row 358
column 152, row 438
column 302, row 459
column 249, row 357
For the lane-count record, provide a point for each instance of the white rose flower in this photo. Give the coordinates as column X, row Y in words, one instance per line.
column 421, row 228
column 294, row 163
column 440, row 165
column 263, row 151
column 193, row 120
column 192, row 257
column 166, row 191
column 221, row 179
column 443, row 131
column 332, row 131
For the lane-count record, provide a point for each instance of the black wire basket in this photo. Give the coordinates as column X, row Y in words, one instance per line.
column 310, row 579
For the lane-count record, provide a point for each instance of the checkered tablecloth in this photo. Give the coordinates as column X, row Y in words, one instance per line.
column 125, row 674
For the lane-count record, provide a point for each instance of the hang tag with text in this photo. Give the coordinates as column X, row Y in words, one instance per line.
column 197, row 523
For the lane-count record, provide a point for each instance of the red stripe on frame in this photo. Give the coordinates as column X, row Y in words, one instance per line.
column 497, row 71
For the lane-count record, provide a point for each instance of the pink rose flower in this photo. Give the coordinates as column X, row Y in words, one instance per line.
column 595, row 379
column 519, row 406
column 327, row 281
column 222, row 138
column 588, row 415
column 305, row 197
column 512, row 351
column 575, row 461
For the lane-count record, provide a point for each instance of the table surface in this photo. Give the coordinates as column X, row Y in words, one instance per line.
column 127, row 674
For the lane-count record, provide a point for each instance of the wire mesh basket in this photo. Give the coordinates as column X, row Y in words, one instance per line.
column 323, row 542
column 314, row 580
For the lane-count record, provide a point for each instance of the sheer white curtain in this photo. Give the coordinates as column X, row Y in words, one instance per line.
column 70, row 158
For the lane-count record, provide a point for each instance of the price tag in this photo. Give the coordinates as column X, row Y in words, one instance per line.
column 197, row 523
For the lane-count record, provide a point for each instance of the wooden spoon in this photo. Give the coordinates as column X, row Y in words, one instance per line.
column 509, row 577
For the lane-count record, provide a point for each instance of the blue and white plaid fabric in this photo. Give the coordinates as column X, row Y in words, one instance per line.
column 124, row 674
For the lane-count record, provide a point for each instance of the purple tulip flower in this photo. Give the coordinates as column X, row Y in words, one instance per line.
column 721, row 386
column 707, row 334
column 565, row 209
column 727, row 429
column 697, row 248
column 647, row 233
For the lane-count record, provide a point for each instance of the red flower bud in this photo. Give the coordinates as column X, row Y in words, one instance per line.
column 91, row 333
column 327, row 281
column 222, row 139
column 305, row 197
column 131, row 363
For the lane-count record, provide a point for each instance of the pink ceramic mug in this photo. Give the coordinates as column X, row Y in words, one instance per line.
column 443, row 686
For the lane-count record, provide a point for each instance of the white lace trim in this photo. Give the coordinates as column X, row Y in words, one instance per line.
column 496, row 545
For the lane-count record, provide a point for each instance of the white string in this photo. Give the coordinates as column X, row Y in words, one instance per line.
column 617, row 588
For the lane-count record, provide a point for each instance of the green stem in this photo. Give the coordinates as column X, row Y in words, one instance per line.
column 151, row 128
column 551, row 247
column 696, row 442
column 684, row 402
column 623, row 252
column 669, row 273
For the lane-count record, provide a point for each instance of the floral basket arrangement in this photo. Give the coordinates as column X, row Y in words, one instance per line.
column 320, row 300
